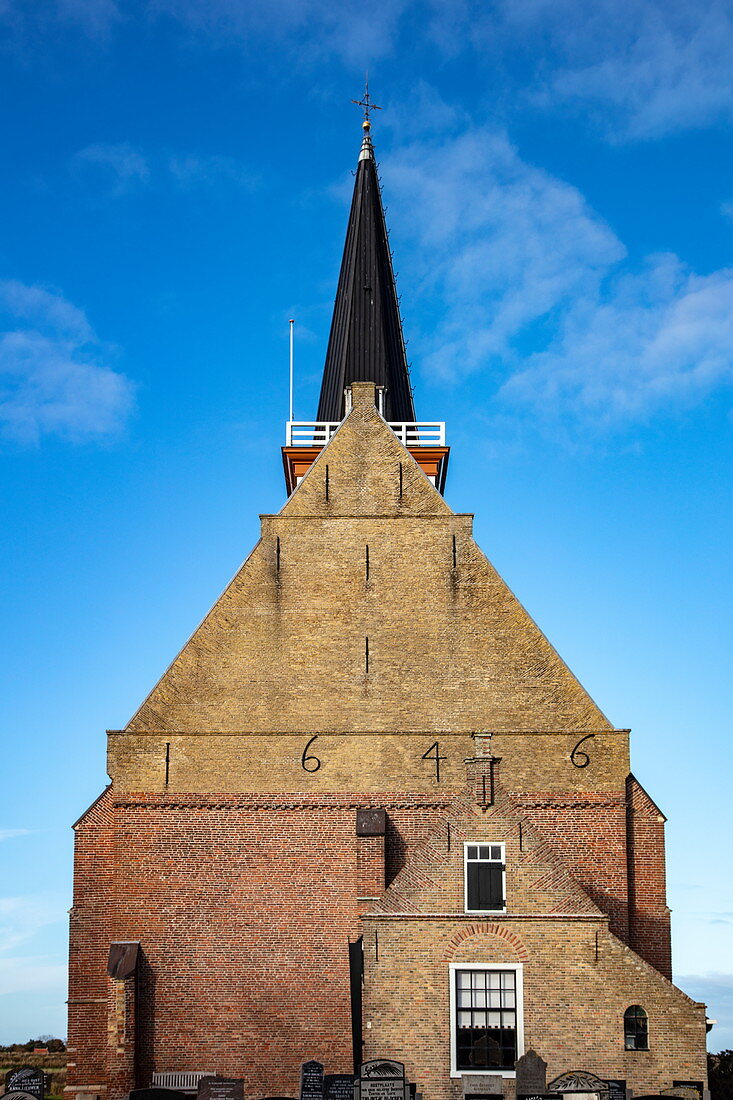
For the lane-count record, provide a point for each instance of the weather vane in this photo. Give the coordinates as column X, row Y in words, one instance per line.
column 367, row 104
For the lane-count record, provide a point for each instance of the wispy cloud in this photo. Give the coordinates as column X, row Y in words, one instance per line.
column 94, row 18
column 54, row 377
column 9, row 834
column 121, row 169
column 642, row 69
column 313, row 28
column 716, row 991
column 22, row 916
column 526, row 282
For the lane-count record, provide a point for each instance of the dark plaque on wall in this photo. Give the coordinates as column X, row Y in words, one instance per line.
column 485, row 1096
column 338, row 1086
column 220, row 1088
column 311, row 1080
column 26, row 1079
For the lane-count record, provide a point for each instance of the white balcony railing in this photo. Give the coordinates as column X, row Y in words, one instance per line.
column 317, row 433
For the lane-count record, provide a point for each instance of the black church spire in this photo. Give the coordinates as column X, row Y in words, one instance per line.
column 366, row 342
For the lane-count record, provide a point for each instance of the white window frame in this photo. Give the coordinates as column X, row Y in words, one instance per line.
column 518, row 969
column 475, row 844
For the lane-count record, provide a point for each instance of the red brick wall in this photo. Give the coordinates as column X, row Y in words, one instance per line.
column 649, row 924
column 244, row 906
column 589, row 832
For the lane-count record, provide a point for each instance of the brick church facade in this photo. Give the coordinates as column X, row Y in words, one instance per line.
column 368, row 811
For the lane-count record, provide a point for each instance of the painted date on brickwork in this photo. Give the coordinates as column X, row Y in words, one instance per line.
column 309, row 762
column 578, row 757
column 434, row 749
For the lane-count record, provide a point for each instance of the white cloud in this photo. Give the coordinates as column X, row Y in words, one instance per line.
column 523, row 280
column 53, row 374
column 658, row 339
column 646, row 67
column 9, row 834
column 22, row 916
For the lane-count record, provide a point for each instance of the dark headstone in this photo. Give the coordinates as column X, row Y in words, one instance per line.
column 617, row 1090
column 338, row 1086
column 531, row 1074
column 157, row 1094
column 540, row 1096
column 484, row 1096
column 26, row 1079
column 382, row 1079
column 220, row 1088
column 16, row 1095
column 311, row 1080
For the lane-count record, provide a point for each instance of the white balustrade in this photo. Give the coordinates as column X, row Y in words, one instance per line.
column 317, row 433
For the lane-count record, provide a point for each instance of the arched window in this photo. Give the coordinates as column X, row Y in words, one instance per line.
column 636, row 1028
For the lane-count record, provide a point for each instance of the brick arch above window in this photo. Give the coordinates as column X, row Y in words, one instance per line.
column 486, row 939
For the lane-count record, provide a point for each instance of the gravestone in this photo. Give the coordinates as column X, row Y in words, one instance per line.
column 26, row 1079
column 157, row 1094
column 338, row 1086
column 481, row 1086
column 311, row 1080
column 698, row 1086
column 531, row 1074
column 381, row 1079
column 220, row 1088
column 617, row 1090
column 19, row 1096
column 580, row 1085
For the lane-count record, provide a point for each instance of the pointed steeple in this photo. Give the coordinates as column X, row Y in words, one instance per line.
column 366, row 342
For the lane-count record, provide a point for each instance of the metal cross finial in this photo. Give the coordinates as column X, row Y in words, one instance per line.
column 368, row 106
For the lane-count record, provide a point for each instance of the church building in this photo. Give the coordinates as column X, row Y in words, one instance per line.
column 368, row 811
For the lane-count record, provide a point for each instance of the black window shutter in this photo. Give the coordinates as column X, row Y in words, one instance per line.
column 485, row 885
column 496, row 886
column 474, row 886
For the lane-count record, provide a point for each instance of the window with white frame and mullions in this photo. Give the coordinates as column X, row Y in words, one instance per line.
column 486, row 1019
column 485, row 878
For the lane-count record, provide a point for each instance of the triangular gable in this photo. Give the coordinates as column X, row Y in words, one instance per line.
column 452, row 648
column 370, row 473
column 538, row 882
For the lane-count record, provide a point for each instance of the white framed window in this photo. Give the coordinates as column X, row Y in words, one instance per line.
column 486, row 1018
column 484, row 878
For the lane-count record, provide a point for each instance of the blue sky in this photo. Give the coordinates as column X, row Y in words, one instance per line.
column 559, row 188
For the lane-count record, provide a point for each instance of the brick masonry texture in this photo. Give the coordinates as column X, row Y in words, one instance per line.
column 233, row 859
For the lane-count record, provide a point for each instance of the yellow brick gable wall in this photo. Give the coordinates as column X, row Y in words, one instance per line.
column 282, row 656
